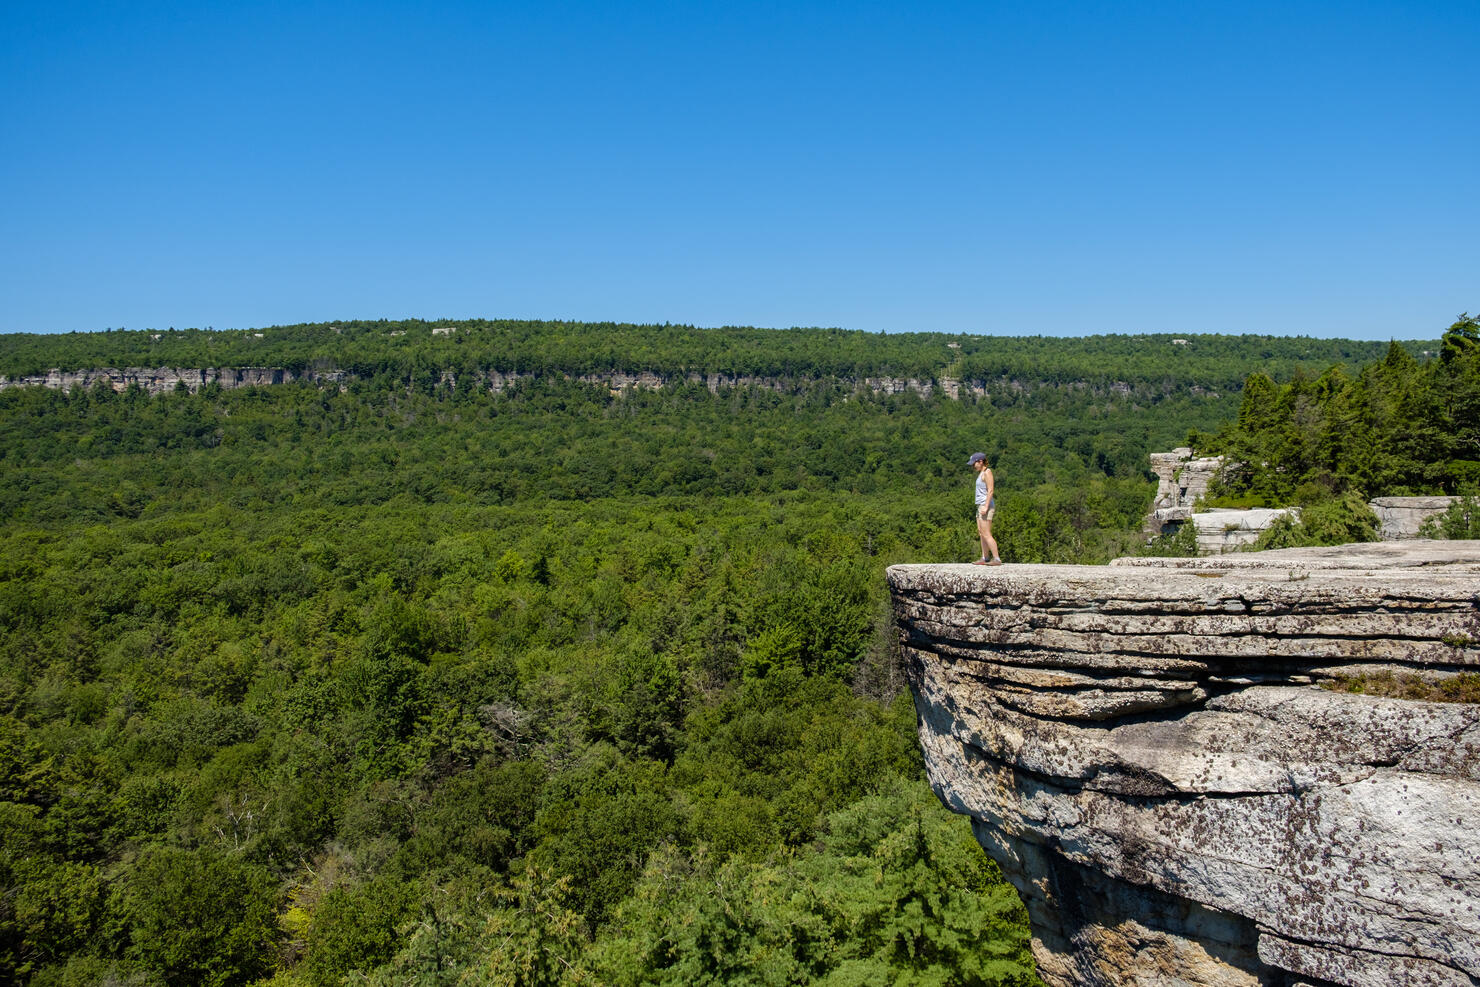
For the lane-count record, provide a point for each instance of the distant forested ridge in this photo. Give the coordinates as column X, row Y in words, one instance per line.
column 415, row 348
column 406, row 681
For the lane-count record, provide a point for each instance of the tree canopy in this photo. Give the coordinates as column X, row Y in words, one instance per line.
column 1392, row 427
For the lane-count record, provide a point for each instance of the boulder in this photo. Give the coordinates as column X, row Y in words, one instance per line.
column 1229, row 530
column 1402, row 517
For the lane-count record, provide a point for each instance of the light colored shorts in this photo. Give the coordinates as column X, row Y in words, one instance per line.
column 990, row 513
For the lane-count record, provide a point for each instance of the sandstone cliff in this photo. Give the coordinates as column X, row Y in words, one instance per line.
column 1145, row 749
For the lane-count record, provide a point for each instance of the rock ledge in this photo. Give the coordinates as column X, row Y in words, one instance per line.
column 1145, row 749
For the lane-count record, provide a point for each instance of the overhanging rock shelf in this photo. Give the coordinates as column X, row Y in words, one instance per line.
column 1145, row 749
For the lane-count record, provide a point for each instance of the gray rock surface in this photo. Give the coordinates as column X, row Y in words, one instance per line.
column 1402, row 517
column 160, row 380
column 1145, row 749
column 1182, row 479
column 1227, row 530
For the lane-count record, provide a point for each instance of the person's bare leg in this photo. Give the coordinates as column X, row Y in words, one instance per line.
column 989, row 544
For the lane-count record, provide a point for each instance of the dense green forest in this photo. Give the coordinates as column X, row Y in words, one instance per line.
column 410, row 348
column 408, row 682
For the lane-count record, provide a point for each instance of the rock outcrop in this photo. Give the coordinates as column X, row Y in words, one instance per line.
column 1402, row 517
column 1181, row 480
column 1146, row 750
column 158, row 380
column 1223, row 530
column 161, row 380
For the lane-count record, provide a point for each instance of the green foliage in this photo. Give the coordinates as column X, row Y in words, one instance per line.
column 441, row 945
column 1461, row 341
column 475, row 823
column 1342, row 521
column 1395, row 427
column 894, row 893
column 600, row 820
column 533, row 937
column 195, row 917
column 56, row 911
column 1461, row 520
column 355, row 929
column 1179, row 543
column 411, row 351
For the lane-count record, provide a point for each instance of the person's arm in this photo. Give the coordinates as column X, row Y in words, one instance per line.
column 991, row 490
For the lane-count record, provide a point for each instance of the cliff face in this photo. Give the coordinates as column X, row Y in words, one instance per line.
column 1144, row 749
column 158, row 380
column 161, row 380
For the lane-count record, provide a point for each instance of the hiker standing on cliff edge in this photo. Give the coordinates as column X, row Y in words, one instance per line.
column 986, row 508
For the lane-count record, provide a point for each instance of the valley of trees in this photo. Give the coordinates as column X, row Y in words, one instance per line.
column 406, row 682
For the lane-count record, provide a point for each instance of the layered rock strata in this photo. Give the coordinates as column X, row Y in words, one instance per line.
column 162, row 380
column 1181, row 480
column 1146, row 750
column 159, row 380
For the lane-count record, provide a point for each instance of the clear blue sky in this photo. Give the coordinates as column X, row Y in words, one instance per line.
column 1022, row 168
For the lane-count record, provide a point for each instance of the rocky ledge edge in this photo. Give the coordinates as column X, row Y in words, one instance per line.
column 1147, row 752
